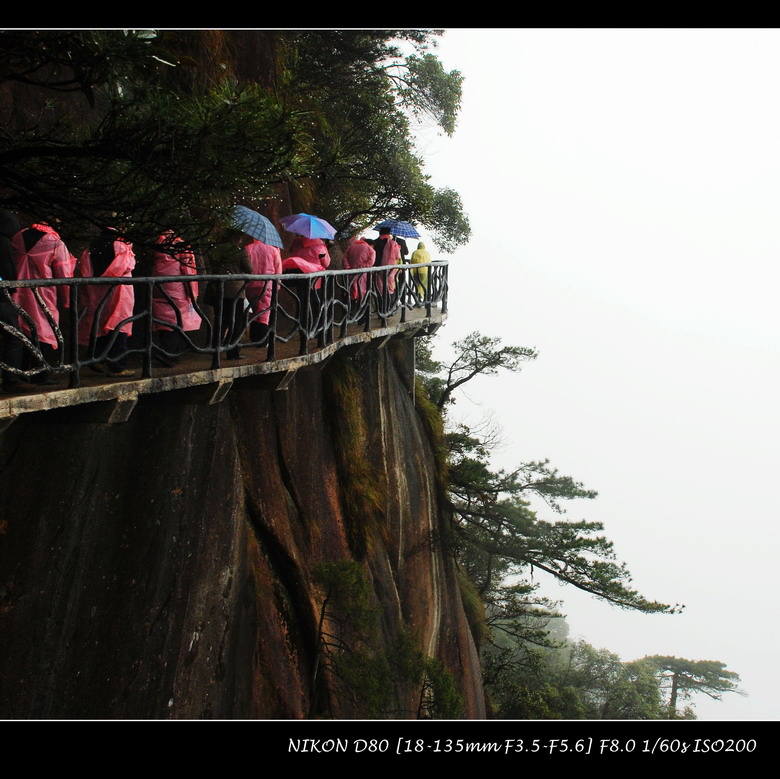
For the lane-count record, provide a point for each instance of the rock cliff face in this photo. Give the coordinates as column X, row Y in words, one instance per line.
column 172, row 565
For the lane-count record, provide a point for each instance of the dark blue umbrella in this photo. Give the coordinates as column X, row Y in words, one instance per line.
column 256, row 225
column 402, row 229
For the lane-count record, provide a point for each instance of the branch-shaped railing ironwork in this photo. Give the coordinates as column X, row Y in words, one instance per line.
column 236, row 311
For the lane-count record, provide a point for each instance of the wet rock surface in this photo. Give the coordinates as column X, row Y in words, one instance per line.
column 165, row 567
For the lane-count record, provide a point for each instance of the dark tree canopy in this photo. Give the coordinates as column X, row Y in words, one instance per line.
column 149, row 130
column 358, row 88
column 141, row 153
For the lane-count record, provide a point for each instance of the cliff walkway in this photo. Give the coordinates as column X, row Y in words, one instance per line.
column 309, row 317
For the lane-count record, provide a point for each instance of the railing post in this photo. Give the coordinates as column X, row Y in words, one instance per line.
column 149, row 344
column 217, row 336
column 445, row 285
column 322, row 314
column 370, row 294
column 75, row 375
column 385, row 297
column 428, row 296
column 332, row 307
column 403, row 293
column 305, row 320
column 348, row 306
column 271, row 352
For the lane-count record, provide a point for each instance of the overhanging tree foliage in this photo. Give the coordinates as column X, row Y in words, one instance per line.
column 147, row 130
column 476, row 355
column 145, row 154
column 152, row 164
column 530, row 669
column 359, row 88
column 77, row 60
column 498, row 532
column 500, row 542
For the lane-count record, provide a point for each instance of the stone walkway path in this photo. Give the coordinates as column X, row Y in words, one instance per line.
column 194, row 370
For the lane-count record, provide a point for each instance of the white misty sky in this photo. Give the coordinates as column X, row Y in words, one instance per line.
column 623, row 188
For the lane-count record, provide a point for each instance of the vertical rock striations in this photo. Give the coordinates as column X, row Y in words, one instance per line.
column 269, row 556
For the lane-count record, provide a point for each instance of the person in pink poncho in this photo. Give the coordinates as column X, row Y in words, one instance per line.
column 111, row 258
column 174, row 314
column 388, row 252
column 265, row 260
column 307, row 255
column 359, row 254
column 40, row 253
column 312, row 250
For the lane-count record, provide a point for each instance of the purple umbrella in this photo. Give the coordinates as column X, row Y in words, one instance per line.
column 308, row 226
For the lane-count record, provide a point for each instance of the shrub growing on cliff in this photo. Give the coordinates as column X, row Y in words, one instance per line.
column 439, row 698
column 348, row 635
column 362, row 492
column 375, row 675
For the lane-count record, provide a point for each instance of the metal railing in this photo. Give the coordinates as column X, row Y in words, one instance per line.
column 311, row 307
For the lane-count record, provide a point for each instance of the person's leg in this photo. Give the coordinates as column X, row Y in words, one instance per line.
column 172, row 342
column 117, row 356
column 233, row 317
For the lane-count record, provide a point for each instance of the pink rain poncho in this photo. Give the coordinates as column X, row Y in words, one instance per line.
column 359, row 254
column 181, row 294
column 310, row 249
column 265, row 260
column 121, row 298
column 391, row 255
column 304, row 266
column 48, row 259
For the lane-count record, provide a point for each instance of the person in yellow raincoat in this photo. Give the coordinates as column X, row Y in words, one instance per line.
column 420, row 275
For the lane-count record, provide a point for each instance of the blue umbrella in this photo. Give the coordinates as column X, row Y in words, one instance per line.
column 308, row 226
column 256, row 225
column 402, row 229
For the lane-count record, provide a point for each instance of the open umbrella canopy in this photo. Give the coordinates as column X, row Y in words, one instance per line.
column 308, row 226
column 402, row 229
column 256, row 225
